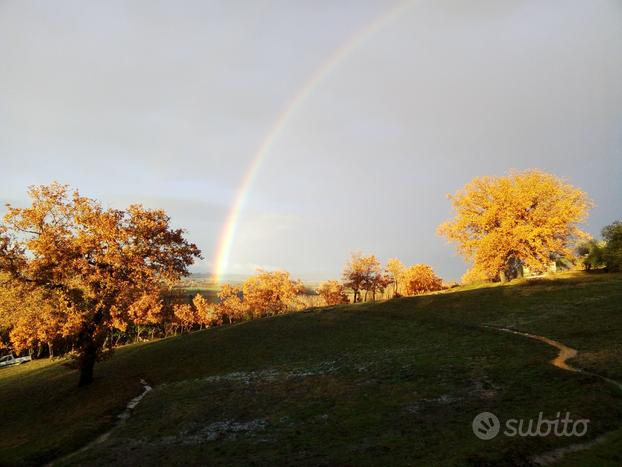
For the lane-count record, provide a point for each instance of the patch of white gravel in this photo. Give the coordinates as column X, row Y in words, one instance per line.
column 443, row 399
column 226, row 429
column 251, row 377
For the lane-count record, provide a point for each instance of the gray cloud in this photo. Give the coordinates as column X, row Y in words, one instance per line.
column 166, row 103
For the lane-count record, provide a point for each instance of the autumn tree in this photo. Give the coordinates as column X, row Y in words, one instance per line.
column 363, row 273
column 32, row 317
column 523, row 219
column 270, row 293
column 333, row 293
column 395, row 271
column 230, row 305
column 421, row 278
column 186, row 316
column 145, row 311
column 375, row 280
column 208, row 314
column 354, row 275
column 100, row 260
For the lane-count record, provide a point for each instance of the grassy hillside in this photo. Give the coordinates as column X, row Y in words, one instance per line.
column 392, row 383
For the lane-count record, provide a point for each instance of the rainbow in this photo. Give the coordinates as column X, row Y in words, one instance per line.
column 227, row 235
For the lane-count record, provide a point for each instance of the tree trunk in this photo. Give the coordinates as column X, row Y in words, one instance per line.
column 503, row 276
column 87, row 361
column 519, row 272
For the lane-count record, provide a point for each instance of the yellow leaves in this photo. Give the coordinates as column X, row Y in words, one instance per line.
column 333, row 293
column 231, row 306
column 364, row 273
column 264, row 294
column 185, row 314
column 199, row 312
column 32, row 315
column 118, row 319
column 207, row 314
column 270, row 293
column 395, row 268
column 108, row 264
column 525, row 218
column 420, row 278
column 146, row 310
column 475, row 275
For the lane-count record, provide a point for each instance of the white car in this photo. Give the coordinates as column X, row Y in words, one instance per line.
column 9, row 360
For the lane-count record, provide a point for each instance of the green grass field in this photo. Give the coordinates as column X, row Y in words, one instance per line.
column 392, row 383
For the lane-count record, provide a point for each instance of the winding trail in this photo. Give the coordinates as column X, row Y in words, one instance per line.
column 565, row 352
column 561, row 361
column 121, row 418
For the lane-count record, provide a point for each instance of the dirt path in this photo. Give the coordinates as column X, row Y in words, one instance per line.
column 565, row 352
column 561, row 361
column 121, row 418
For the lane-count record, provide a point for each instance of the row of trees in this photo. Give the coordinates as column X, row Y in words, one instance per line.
column 267, row 293
column 34, row 319
column 365, row 278
column 76, row 277
column 74, row 274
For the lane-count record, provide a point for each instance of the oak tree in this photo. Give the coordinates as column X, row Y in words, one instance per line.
column 99, row 260
column 523, row 219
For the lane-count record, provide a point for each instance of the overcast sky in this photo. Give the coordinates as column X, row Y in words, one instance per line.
column 166, row 103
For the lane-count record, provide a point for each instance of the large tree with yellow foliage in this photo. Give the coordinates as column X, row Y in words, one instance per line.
column 104, row 265
column 522, row 219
